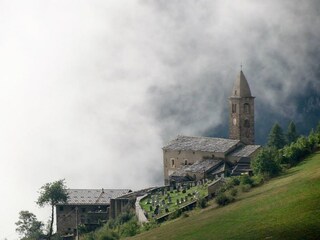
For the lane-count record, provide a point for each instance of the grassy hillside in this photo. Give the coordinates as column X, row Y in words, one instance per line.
column 287, row 207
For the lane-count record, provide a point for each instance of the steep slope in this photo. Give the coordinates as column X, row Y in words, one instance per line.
column 287, row 207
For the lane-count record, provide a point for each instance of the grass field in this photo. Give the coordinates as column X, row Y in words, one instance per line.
column 287, row 207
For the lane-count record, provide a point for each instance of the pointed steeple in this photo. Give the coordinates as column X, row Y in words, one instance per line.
column 241, row 110
column 241, row 87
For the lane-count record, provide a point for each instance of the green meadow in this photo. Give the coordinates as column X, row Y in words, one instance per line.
column 286, row 207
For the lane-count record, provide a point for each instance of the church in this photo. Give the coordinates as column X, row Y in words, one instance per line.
column 189, row 158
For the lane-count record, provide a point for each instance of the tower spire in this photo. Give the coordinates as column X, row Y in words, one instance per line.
column 241, row 122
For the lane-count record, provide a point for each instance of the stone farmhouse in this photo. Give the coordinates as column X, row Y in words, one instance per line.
column 85, row 206
column 188, row 158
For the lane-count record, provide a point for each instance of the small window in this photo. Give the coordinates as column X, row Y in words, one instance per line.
column 246, row 108
column 186, row 162
column 246, row 123
column 83, row 210
column 235, row 92
column 172, row 162
column 61, row 208
column 234, row 108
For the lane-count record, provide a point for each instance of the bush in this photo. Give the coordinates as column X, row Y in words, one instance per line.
column 149, row 225
column 124, row 217
column 246, row 179
column 259, row 179
column 232, row 181
column 202, row 202
column 110, row 235
column 233, row 192
column 175, row 214
column 266, row 161
column 185, row 215
column 222, row 199
column 130, row 228
column 245, row 187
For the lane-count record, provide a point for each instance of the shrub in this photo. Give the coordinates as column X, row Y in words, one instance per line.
column 185, row 215
column 125, row 217
column 246, row 179
column 130, row 228
column 259, row 179
column 149, row 225
column 109, row 235
column 202, row 202
column 175, row 214
column 183, row 191
column 266, row 161
column 233, row 192
column 222, row 199
column 245, row 187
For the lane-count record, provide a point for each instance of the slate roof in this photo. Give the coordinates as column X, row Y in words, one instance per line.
column 241, row 87
column 245, row 151
column 198, row 166
column 93, row 196
column 204, row 144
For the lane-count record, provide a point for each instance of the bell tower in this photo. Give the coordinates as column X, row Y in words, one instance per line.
column 241, row 111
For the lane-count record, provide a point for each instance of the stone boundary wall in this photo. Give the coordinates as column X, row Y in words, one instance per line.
column 139, row 211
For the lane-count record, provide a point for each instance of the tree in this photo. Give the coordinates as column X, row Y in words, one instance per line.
column 52, row 194
column 292, row 134
column 276, row 138
column 266, row 162
column 28, row 226
column 318, row 128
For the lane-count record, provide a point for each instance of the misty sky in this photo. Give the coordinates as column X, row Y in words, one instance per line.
column 91, row 90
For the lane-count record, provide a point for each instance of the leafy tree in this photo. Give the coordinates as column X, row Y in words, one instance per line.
column 28, row 226
column 266, row 162
column 276, row 137
column 52, row 194
column 292, row 134
column 318, row 128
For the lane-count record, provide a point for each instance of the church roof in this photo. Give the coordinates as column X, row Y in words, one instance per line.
column 241, row 87
column 245, row 151
column 93, row 196
column 203, row 144
column 199, row 166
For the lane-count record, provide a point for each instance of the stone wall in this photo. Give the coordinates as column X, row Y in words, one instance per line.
column 180, row 158
column 68, row 216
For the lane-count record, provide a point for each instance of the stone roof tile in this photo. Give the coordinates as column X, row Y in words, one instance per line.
column 93, row 196
column 245, row 151
column 204, row 144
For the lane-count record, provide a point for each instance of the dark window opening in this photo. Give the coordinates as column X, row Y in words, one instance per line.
column 246, row 123
column 234, row 108
column 246, row 108
column 61, row 208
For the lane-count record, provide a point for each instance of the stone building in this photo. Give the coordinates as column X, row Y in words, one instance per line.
column 241, row 110
column 85, row 206
column 192, row 158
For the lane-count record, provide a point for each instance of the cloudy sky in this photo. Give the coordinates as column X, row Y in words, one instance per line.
column 91, row 90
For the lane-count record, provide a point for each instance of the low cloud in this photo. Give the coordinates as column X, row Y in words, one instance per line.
column 91, row 91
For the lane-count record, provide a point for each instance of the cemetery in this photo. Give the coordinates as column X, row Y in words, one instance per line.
column 165, row 200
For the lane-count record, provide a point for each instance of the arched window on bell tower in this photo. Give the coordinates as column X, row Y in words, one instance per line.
column 246, row 108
